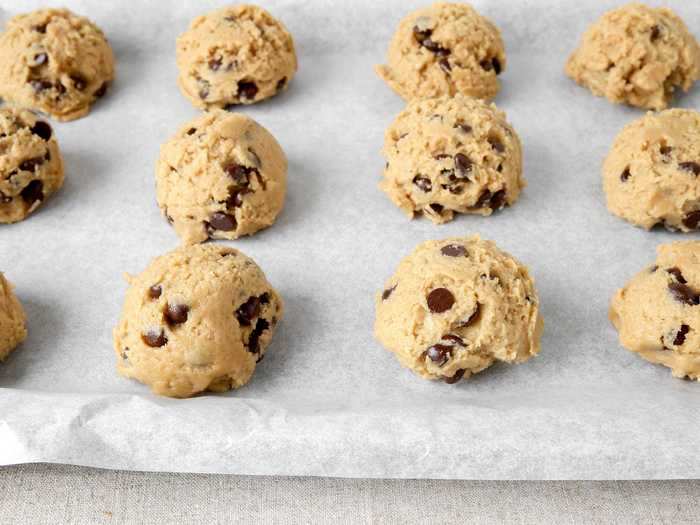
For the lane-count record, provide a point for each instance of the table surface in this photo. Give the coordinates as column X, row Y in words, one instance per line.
column 53, row 494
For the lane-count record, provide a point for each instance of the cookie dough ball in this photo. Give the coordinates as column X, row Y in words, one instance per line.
column 31, row 167
column 198, row 318
column 651, row 175
column 236, row 55
column 444, row 49
column 221, row 176
column 12, row 319
column 636, row 55
column 657, row 314
column 456, row 306
column 450, row 155
column 54, row 61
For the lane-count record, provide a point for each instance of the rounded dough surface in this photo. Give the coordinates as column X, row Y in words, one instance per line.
column 444, row 49
column 12, row 319
column 456, row 306
column 235, row 55
column 636, row 55
column 450, row 155
column 221, row 176
column 651, row 175
column 198, row 318
column 31, row 166
column 657, row 313
column 54, row 61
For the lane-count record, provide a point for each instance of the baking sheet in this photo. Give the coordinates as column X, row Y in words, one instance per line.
column 328, row 400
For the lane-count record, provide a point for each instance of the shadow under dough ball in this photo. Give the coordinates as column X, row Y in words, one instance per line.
column 235, row 55
column 444, row 49
column 221, row 176
column 54, row 61
column 456, row 306
column 197, row 318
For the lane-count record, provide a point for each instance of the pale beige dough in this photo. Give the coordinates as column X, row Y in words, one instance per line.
column 455, row 306
column 221, row 176
column 13, row 321
column 657, row 314
column 452, row 155
column 444, row 49
column 651, row 175
column 237, row 55
column 636, row 55
column 31, row 166
column 54, row 61
column 198, row 318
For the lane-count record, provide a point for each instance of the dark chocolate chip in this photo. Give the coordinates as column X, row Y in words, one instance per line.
column 264, row 298
column 40, row 85
column 79, row 82
column 497, row 145
column 473, row 317
column 192, row 131
column 625, row 175
column 101, row 90
column 215, row 64
column 464, row 127
column 458, row 375
column 437, row 208
column 254, row 338
column 486, row 64
column 155, row 291
column 238, row 173
column 439, row 354
column 680, row 335
column 222, row 221
column 454, row 339
column 665, row 150
column 483, row 199
column 30, row 164
column 34, row 191
column 248, row 310
column 280, row 84
column 154, row 338
column 454, row 250
column 655, row 32
column 436, row 48
column 42, row 129
column 498, row 200
column 175, row 314
column 235, row 197
column 445, row 65
column 41, row 59
column 692, row 219
column 692, row 167
column 683, row 293
column 423, row 183
column 463, row 166
column 387, row 293
column 247, row 90
column 496, row 65
column 421, row 35
column 40, row 28
column 440, row 300
column 676, row 272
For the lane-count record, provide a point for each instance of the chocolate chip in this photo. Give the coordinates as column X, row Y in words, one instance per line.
column 79, row 82
column 40, row 85
column 47, row 155
column 248, row 310
column 483, row 199
column 154, row 338
column 653, row 269
column 496, row 65
column 203, row 89
column 175, row 314
column 692, row 167
column 454, row 339
column 680, row 335
column 42, row 129
column 30, row 164
column 40, row 28
column 683, row 293
column 387, row 293
column 463, row 166
column 625, row 175
column 437, row 208
column 655, row 32
column 445, row 65
column 222, row 221
column 235, row 197
column 264, row 298
column 665, row 150
column 458, row 375
column 101, row 90
column 498, row 200
column 486, row 64
column 421, row 35
column 497, row 145
column 192, row 131
column 254, row 338
column 692, row 219
column 440, row 300
column 423, row 183
column 155, row 291
column 32, row 192
column 473, row 317
column 41, row 59
column 60, row 88
column 676, row 272
column 238, row 173
column 454, row 250
column 464, row 127
column 247, row 90
column 215, row 64
column 436, row 48
column 280, row 84
column 439, row 354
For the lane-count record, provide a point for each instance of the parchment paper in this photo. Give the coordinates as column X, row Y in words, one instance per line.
column 328, row 400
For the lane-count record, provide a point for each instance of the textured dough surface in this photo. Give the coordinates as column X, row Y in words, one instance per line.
column 636, row 55
column 235, row 55
column 54, row 61
column 198, row 318
column 651, row 175
column 444, row 49
column 452, row 155
column 456, row 306
column 657, row 313
column 31, row 166
column 221, row 176
column 12, row 319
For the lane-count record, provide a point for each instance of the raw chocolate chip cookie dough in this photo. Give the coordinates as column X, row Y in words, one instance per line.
column 444, row 49
column 198, row 318
column 221, row 176
column 636, row 55
column 12, row 319
column 451, row 155
column 456, row 306
column 31, row 167
column 651, row 175
column 236, row 55
column 657, row 313
column 54, row 61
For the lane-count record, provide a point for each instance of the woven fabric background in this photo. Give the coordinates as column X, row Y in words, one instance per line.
column 52, row 494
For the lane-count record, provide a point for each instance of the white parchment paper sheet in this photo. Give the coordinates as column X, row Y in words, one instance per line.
column 328, row 400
